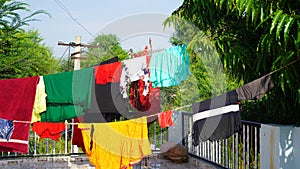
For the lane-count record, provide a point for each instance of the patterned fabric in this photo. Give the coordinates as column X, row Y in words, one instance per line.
column 6, row 128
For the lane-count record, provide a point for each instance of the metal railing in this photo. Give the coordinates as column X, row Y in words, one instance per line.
column 45, row 146
column 48, row 147
column 240, row 151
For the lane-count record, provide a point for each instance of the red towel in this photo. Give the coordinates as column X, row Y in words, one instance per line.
column 48, row 130
column 16, row 103
column 17, row 98
column 165, row 119
column 108, row 73
column 18, row 141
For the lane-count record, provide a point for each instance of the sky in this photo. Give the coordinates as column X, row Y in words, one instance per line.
column 133, row 21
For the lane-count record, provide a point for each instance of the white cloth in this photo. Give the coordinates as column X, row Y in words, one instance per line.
column 215, row 112
column 133, row 70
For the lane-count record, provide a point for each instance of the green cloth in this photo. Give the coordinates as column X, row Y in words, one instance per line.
column 61, row 112
column 68, row 94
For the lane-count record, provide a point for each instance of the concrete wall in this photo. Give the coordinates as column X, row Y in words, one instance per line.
column 280, row 147
column 58, row 162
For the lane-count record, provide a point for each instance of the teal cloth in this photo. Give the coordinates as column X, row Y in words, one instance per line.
column 68, row 94
column 169, row 67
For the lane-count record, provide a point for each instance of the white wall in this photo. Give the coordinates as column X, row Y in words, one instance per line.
column 280, row 147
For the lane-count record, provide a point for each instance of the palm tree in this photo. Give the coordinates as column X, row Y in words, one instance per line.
column 10, row 19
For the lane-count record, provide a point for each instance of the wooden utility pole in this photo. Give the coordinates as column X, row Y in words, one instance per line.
column 77, row 53
column 76, row 56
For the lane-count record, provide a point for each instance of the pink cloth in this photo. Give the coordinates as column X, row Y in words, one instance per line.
column 165, row 119
column 17, row 99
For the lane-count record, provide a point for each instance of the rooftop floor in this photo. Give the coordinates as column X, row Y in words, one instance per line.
column 161, row 163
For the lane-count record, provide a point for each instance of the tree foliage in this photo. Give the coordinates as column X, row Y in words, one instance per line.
column 22, row 53
column 253, row 38
column 10, row 19
column 208, row 77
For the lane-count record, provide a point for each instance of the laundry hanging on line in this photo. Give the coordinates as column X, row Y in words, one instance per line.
column 48, row 129
column 216, row 127
column 17, row 99
column 124, row 143
column 39, row 101
column 256, row 92
column 169, row 67
column 165, row 119
column 106, row 73
column 219, row 117
column 69, row 99
column 133, row 70
column 107, row 103
column 6, row 129
column 255, row 89
column 77, row 138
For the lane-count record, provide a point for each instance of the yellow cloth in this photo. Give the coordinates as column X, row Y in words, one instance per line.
column 116, row 145
column 40, row 101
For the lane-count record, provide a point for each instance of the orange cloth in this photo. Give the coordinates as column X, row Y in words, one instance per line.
column 108, row 73
column 165, row 119
column 116, row 145
column 48, row 130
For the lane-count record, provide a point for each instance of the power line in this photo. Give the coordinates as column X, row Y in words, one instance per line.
column 62, row 6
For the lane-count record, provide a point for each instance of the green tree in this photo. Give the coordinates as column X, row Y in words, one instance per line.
column 109, row 47
column 23, row 55
column 208, row 78
column 21, row 52
column 253, row 38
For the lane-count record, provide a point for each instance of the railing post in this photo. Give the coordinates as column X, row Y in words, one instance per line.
column 66, row 137
column 244, row 147
column 237, row 150
column 154, row 135
column 255, row 147
column 53, row 146
column 34, row 151
column 47, row 145
column 248, row 147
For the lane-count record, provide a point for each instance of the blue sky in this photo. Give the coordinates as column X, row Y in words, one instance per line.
column 133, row 21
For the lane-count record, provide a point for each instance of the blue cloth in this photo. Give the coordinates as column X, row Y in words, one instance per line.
column 6, row 128
column 169, row 67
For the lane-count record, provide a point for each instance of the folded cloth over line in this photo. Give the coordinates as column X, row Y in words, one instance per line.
column 69, row 99
column 17, row 99
column 48, row 130
column 116, row 144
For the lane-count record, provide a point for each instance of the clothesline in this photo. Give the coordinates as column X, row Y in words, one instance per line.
column 284, row 66
column 152, row 115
